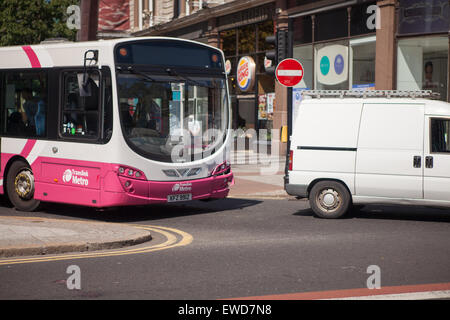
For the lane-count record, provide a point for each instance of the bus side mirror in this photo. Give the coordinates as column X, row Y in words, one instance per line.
column 85, row 86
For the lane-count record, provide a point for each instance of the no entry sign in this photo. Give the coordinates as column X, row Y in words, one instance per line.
column 289, row 72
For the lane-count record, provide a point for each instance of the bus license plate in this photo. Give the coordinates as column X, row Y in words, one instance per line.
column 179, row 197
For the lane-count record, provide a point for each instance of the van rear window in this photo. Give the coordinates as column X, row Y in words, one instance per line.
column 440, row 135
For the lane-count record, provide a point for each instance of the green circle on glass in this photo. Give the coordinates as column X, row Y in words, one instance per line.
column 324, row 65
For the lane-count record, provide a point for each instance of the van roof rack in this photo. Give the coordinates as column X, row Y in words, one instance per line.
column 371, row 93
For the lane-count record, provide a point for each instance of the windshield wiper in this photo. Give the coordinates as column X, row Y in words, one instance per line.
column 133, row 71
column 172, row 72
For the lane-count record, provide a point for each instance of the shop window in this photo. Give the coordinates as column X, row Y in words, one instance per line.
column 363, row 18
column 419, row 16
column 25, row 104
column 331, row 25
column 246, row 114
column 231, row 62
column 247, row 39
column 265, row 29
column 362, row 57
column 440, row 135
column 422, row 64
column 331, row 66
column 304, row 54
column 266, row 96
column 302, row 27
column 228, row 42
column 80, row 109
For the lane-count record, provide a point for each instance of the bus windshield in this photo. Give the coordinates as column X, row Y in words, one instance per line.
column 175, row 117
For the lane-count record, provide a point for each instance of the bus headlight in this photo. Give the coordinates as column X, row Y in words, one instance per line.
column 129, row 172
column 221, row 169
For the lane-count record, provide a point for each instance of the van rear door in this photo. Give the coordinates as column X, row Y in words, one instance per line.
column 390, row 151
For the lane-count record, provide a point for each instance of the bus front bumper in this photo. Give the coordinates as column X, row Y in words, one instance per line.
column 138, row 192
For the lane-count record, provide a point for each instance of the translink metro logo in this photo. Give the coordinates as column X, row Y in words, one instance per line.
column 67, row 176
column 76, row 177
column 187, row 186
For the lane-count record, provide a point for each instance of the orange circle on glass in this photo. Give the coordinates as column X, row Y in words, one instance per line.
column 123, row 51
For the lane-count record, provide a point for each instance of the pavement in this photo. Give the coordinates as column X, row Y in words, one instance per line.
column 26, row 236
column 255, row 177
column 258, row 176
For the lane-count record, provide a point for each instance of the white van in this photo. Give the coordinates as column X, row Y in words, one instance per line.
column 384, row 148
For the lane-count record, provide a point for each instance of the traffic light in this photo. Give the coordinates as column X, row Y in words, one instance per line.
column 271, row 59
column 282, row 45
column 282, row 49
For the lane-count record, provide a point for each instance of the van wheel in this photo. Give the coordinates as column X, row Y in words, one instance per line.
column 20, row 186
column 329, row 199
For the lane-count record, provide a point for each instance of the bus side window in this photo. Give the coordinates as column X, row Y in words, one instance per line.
column 107, row 105
column 80, row 112
column 24, row 105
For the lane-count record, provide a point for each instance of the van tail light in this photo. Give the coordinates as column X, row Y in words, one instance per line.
column 291, row 155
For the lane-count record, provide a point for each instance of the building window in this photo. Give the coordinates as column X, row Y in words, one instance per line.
column 362, row 67
column 340, row 53
column 247, row 36
column 331, row 66
column 229, row 42
column 252, row 108
column 304, row 54
column 363, row 18
column 422, row 64
column 419, row 16
column 302, row 27
column 176, row 8
column 331, row 25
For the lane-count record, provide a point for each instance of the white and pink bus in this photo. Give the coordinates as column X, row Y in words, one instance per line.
column 113, row 123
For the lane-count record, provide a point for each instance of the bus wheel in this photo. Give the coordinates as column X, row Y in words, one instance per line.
column 329, row 199
column 20, row 186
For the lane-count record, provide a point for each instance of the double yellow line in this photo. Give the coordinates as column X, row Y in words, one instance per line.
column 174, row 238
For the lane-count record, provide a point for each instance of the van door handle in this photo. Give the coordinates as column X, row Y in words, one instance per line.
column 429, row 162
column 417, row 163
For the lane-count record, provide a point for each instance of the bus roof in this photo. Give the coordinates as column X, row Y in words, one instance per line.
column 67, row 53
